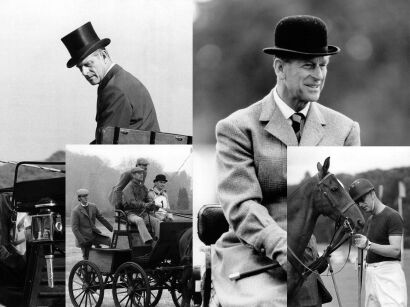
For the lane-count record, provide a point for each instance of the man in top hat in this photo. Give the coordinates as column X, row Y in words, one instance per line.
column 122, row 100
column 159, row 196
column 115, row 196
column 83, row 224
column 385, row 283
column 138, row 206
column 251, row 158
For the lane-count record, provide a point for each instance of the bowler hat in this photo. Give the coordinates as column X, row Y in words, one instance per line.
column 82, row 192
column 160, row 177
column 137, row 169
column 82, row 42
column 142, row 161
column 301, row 35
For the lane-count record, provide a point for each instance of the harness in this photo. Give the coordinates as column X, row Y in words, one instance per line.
column 343, row 231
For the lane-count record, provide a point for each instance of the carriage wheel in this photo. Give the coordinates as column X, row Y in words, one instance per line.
column 131, row 286
column 156, row 289
column 85, row 285
column 176, row 292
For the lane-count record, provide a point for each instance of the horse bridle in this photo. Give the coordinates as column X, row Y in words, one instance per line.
column 342, row 227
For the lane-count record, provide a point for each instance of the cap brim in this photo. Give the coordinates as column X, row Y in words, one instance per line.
column 278, row 51
column 101, row 43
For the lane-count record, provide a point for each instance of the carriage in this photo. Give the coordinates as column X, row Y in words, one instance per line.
column 137, row 274
column 44, row 281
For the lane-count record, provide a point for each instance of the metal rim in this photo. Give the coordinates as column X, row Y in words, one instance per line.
column 131, row 286
column 85, row 284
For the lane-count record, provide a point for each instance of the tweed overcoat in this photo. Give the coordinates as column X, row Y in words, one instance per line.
column 251, row 160
column 115, row 196
column 83, row 225
column 123, row 101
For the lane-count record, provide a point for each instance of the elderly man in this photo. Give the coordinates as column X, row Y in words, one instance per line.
column 385, row 283
column 122, row 100
column 115, row 196
column 251, row 158
column 138, row 206
column 159, row 196
column 83, row 224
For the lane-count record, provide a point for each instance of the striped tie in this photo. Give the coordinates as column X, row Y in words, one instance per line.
column 297, row 124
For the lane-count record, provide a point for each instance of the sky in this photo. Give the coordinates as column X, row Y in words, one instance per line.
column 171, row 157
column 45, row 105
column 350, row 160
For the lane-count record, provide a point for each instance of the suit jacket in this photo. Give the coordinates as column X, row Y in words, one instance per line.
column 124, row 102
column 251, row 158
column 135, row 197
column 83, row 224
column 115, row 196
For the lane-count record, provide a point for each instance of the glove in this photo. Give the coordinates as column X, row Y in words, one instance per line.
column 360, row 241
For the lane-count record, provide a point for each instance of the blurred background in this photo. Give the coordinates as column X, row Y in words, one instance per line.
column 367, row 81
column 388, row 169
column 98, row 168
column 45, row 105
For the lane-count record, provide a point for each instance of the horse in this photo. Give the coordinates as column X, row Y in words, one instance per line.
column 322, row 194
column 186, row 280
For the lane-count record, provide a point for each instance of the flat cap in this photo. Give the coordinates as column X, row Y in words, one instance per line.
column 82, row 192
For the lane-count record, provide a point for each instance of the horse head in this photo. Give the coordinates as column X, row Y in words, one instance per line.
column 334, row 201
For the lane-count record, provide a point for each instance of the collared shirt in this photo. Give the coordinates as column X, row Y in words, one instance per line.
column 109, row 68
column 285, row 109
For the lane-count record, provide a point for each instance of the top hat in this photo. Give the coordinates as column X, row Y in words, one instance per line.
column 137, row 169
column 82, row 42
column 142, row 161
column 160, row 177
column 301, row 35
column 82, row 192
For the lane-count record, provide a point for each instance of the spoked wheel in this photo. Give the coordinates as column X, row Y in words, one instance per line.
column 131, row 286
column 156, row 288
column 176, row 292
column 85, row 285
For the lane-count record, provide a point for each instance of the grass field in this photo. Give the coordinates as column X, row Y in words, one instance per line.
column 346, row 279
column 73, row 255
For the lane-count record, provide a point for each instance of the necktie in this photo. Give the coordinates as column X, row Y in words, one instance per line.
column 297, row 124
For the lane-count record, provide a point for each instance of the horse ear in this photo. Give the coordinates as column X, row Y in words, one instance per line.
column 326, row 165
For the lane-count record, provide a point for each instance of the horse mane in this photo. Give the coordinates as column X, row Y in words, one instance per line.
column 301, row 185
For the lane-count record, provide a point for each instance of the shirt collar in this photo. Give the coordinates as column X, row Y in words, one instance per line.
column 285, row 109
column 109, row 68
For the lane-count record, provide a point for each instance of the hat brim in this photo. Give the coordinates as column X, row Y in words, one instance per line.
column 99, row 44
column 160, row 180
column 278, row 51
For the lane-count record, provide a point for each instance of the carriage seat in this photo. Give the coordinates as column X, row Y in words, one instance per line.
column 211, row 223
column 130, row 230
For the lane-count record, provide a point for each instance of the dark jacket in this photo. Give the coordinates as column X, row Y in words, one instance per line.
column 83, row 225
column 123, row 101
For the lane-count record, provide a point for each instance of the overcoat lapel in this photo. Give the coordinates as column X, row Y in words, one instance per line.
column 277, row 124
column 313, row 130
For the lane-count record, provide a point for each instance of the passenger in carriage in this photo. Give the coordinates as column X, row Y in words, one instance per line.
column 159, row 196
column 138, row 206
column 115, row 196
column 83, row 224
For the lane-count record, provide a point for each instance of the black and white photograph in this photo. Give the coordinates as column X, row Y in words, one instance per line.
column 32, row 232
column 348, row 226
column 146, row 45
column 129, row 225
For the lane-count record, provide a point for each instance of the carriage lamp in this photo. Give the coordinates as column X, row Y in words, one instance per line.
column 46, row 227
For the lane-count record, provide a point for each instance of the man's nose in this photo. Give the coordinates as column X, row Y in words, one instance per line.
column 318, row 73
column 84, row 70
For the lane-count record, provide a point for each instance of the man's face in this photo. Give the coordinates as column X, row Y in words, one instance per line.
column 366, row 202
column 304, row 79
column 143, row 166
column 160, row 185
column 138, row 176
column 93, row 67
column 83, row 199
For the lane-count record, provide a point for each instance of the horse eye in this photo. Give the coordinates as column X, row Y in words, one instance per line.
column 333, row 189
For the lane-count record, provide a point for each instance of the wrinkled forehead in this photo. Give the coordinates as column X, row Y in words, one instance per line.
column 89, row 59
